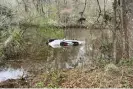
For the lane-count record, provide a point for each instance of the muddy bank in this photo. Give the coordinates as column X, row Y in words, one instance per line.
column 95, row 77
column 15, row 83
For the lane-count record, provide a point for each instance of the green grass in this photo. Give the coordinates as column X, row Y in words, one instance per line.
column 51, row 32
column 126, row 62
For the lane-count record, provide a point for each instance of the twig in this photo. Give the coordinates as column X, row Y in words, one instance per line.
column 100, row 11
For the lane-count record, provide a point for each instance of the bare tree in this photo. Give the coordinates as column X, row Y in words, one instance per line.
column 25, row 5
column 114, row 31
column 124, row 27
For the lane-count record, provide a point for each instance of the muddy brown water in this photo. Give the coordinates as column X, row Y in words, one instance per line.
column 63, row 58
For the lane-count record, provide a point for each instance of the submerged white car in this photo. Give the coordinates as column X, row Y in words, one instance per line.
column 58, row 43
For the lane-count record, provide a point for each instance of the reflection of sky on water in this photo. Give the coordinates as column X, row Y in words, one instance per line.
column 11, row 74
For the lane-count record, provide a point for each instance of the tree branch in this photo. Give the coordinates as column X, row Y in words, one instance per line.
column 100, row 11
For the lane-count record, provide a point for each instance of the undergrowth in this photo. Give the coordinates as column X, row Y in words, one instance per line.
column 31, row 42
column 52, row 80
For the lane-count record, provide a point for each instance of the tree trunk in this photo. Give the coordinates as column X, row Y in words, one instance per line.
column 124, row 28
column 114, row 32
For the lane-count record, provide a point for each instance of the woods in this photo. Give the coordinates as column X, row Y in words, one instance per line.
column 103, row 61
